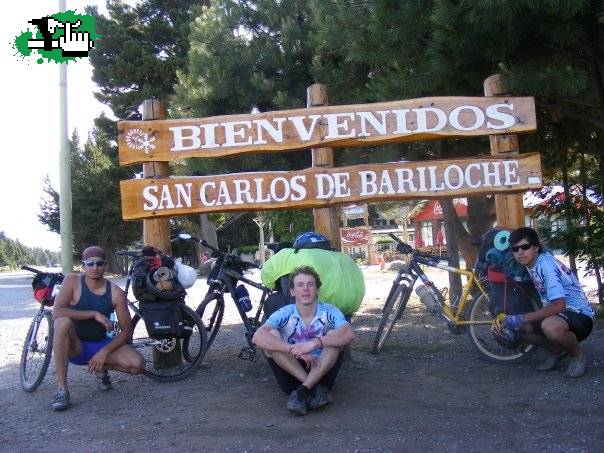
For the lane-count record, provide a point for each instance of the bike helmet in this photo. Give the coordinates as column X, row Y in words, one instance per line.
column 311, row 240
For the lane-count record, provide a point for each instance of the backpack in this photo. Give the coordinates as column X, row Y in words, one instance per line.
column 154, row 278
column 43, row 285
column 507, row 295
column 311, row 240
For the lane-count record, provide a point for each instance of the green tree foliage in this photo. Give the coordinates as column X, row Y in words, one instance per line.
column 247, row 56
column 14, row 254
column 140, row 49
column 95, row 199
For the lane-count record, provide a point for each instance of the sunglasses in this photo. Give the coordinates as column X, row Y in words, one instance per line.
column 517, row 248
column 91, row 263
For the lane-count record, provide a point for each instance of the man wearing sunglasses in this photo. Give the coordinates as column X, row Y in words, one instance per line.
column 566, row 317
column 81, row 319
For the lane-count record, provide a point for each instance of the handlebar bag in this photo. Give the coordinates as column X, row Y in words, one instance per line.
column 43, row 285
column 163, row 319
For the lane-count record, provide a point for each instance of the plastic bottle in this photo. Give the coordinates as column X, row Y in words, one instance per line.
column 242, row 296
column 113, row 320
column 428, row 298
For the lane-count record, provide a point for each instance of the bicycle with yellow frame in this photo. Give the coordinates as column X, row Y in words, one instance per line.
column 470, row 313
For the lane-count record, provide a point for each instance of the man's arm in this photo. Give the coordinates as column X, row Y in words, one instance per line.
column 62, row 306
column 337, row 338
column 265, row 339
column 556, row 306
column 120, row 304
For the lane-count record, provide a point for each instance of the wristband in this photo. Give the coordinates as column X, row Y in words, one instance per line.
column 320, row 341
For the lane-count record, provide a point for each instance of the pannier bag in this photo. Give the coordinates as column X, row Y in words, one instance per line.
column 46, row 286
column 343, row 283
column 154, row 278
column 163, row 319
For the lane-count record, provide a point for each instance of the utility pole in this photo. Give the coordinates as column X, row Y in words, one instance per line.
column 64, row 172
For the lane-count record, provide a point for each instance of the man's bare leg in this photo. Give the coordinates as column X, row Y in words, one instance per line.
column 65, row 344
column 287, row 362
column 325, row 362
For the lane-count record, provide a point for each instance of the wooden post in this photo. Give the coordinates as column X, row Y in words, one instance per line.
column 156, row 232
column 326, row 221
column 509, row 209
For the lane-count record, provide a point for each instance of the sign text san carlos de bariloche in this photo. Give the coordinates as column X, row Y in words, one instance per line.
column 317, row 187
column 333, row 126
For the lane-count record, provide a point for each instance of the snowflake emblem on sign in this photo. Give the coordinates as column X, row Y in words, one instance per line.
column 137, row 139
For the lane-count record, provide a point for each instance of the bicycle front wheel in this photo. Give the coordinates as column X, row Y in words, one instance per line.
column 481, row 338
column 171, row 359
column 211, row 311
column 37, row 351
column 393, row 310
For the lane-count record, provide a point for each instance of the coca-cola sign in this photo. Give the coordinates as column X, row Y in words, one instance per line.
column 355, row 236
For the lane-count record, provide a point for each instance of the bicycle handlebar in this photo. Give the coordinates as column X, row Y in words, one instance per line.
column 406, row 249
column 132, row 253
column 31, row 269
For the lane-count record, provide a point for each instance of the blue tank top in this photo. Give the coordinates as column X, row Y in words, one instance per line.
column 90, row 329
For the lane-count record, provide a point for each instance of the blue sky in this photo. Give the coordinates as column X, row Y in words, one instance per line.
column 30, row 122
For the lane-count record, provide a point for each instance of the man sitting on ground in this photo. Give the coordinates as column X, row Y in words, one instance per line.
column 566, row 317
column 303, row 343
column 81, row 311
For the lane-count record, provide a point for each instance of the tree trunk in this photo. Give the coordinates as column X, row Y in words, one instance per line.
column 208, row 230
column 449, row 216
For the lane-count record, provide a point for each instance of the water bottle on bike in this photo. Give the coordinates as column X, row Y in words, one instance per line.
column 243, row 298
column 428, row 298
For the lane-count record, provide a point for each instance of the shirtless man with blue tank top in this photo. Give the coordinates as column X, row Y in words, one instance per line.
column 81, row 319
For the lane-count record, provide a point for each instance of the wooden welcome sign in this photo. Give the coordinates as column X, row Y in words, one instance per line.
column 320, row 187
column 328, row 126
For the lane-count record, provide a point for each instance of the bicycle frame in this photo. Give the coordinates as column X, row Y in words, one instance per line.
column 451, row 312
column 228, row 278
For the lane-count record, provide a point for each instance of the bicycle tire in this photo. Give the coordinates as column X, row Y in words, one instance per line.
column 211, row 312
column 195, row 345
column 393, row 310
column 482, row 340
column 36, row 358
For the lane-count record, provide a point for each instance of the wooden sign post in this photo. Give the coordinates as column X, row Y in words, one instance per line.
column 325, row 219
column 156, row 231
column 321, row 127
column 509, row 208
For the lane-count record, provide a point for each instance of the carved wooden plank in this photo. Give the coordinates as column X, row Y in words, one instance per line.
column 324, row 126
column 316, row 187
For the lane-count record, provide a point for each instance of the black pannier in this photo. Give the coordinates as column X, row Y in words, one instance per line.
column 163, row 319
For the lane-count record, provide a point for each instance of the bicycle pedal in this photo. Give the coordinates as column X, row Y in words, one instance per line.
column 248, row 354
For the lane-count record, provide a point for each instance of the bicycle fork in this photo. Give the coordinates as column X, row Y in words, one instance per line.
column 33, row 339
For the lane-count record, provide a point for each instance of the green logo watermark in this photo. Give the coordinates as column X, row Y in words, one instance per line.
column 60, row 38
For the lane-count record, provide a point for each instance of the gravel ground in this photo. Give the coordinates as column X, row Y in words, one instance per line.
column 427, row 391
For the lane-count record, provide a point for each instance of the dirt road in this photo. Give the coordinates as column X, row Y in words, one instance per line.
column 427, row 391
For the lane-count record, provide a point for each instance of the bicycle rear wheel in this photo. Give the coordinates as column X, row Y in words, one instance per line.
column 190, row 350
column 393, row 310
column 481, row 338
column 37, row 351
column 211, row 311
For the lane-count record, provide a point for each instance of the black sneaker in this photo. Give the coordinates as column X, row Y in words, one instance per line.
column 321, row 396
column 298, row 400
column 60, row 401
column 104, row 381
